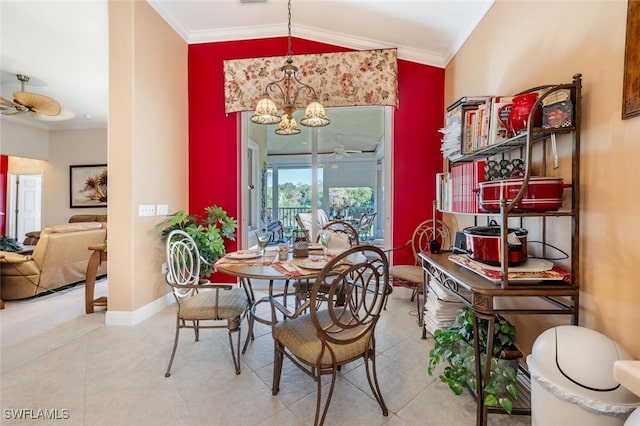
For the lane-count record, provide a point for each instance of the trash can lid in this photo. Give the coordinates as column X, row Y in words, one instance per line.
column 576, row 364
column 579, row 357
column 586, row 357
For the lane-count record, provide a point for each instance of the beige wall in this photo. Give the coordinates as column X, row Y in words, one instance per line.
column 23, row 141
column 511, row 50
column 50, row 153
column 67, row 148
column 148, row 149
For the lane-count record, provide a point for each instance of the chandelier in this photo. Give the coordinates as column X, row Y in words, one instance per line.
column 289, row 87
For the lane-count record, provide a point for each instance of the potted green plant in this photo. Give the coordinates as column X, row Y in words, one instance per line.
column 209, row 232
column 9, row 244
column 455, row 345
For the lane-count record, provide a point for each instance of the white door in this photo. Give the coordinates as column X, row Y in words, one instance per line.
column 28, row 211
column 251, row 196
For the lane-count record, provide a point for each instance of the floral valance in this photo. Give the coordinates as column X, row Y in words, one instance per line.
column 359, row 78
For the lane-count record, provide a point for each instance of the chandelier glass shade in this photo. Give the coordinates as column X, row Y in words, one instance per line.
column 287, row 126
column 289, row 87
column 266, row 112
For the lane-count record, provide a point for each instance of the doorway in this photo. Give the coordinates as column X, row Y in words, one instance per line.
column 25, row 204
column 354, row 151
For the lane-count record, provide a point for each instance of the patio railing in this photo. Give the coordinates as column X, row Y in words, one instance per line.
column 287, row 215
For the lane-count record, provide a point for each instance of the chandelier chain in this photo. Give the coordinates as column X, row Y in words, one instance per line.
column 289, row 49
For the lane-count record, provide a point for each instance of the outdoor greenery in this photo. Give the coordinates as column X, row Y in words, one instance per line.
column 9, row 244
column 455, row 345
column 209, row 233
column 294, row 195
column 299, row 195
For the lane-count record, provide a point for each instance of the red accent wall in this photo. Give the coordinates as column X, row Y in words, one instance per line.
column 416, row 149
column 214, row 145
column 4, row 170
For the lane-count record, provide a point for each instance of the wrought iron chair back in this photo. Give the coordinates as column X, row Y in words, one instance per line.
column 412, row 275
column 219, row 305
column 364, row 227
column 183, row 261
column 344, row 228
column 321, row 337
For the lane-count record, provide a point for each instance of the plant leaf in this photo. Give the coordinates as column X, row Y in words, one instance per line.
column 506, row 404
column 513, row 391
column 490, row 401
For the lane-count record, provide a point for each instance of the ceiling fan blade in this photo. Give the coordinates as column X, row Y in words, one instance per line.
column 38, row 103
column 8, row 107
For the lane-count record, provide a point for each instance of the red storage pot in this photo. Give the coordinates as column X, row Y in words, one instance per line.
column 542, row 194
column 484, row 244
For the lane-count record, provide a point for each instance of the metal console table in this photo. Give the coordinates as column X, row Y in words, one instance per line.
column 481, row 295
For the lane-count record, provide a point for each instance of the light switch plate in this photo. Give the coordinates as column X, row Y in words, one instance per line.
column 146, row 210
column 162, row 209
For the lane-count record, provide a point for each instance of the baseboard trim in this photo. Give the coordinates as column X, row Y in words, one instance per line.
column 139, row 315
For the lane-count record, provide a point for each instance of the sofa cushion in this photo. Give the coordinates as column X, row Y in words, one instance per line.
column 33, row 236
column 71, row 227
column 88, row 218
column 20, row 276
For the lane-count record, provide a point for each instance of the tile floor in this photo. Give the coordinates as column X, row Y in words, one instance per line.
column 57, row 358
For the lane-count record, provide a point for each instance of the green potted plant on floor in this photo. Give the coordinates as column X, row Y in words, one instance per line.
column 209, row 232
column 455, row 345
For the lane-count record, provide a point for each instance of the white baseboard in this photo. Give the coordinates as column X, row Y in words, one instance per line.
column 139, row 315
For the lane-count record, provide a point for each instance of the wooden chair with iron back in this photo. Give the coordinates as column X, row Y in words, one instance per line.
column 223, row 305
column 319, row 338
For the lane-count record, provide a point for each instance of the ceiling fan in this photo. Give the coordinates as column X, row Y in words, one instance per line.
column 41, row 107
column 340, row 151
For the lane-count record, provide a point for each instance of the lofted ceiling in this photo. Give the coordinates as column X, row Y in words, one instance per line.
column 63, row 45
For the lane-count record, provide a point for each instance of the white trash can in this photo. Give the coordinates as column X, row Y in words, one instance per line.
column 572, row 382
column 633, row 419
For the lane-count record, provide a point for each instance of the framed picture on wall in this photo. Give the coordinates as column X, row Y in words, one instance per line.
column 88, row 186
column 631, row 84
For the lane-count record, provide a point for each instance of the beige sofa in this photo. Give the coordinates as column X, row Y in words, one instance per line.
column 59, row 258
column 33, row 236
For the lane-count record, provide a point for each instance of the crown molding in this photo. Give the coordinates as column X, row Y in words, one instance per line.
column 162, row 10
column 322, row 36
column 302, row 31
column 44, row 126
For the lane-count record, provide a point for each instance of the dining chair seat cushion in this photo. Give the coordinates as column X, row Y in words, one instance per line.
column 202, row 306
column 299, row 336
column 412, row 273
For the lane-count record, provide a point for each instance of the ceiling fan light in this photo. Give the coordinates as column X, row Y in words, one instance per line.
column 314, row 116
column 266, row 112
column 287, row 126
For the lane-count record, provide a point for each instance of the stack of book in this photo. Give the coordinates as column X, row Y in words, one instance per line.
column 457, row 191
column 473, row 123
